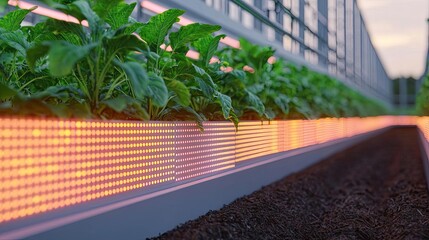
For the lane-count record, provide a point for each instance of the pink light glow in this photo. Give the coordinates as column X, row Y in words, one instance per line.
column 214, row 60
column 133, row 158
column 193, row 54
column 46, row 12
column 231, row 42
column 272, row 60
column 248, row 69
column 227, row 69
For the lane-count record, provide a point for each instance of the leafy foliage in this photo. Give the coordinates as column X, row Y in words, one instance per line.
column 97, row 59
column 111, row 66
column 283, row 91
column 422, row 103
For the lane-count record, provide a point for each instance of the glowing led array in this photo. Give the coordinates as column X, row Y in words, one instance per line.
column 199, row 153
column 50, row 164
column 256, row 139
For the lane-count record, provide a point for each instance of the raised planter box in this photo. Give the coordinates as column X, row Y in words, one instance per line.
column 57, row 172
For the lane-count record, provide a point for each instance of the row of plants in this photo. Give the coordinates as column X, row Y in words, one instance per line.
column 422, row 101
column 111, row 66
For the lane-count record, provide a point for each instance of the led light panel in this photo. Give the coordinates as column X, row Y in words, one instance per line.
column 255, row 139
column 199, row 153
column 51, row 164
column 48, row 164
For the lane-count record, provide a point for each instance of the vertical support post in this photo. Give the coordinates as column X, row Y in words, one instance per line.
column 139, row 11
column 345, row 37
column 301, row 26
column 339, row 42
column 352, row 39
column 257, row 22
column 279, row 19
column 354, row 30
column 322, row 29
column 225, row 7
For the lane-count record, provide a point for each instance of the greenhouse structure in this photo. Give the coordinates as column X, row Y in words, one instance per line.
column 205, row 119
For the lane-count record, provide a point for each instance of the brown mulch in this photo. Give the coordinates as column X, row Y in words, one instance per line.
column 374, row 190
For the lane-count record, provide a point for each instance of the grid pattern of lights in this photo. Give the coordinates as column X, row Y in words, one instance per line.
column 199, row 153
column 50, row 164
column 256, row 139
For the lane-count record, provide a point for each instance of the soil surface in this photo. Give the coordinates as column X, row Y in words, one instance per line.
column 374, row 190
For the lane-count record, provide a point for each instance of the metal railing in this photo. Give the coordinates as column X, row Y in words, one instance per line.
column 330, row 35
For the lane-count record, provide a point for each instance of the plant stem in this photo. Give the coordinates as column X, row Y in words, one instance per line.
column 149, row 108
column 84, row 85
column 31, row 81
column 115, row 83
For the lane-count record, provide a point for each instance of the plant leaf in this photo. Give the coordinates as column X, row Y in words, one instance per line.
column 6, row 92
column 207, row 47
column 182, row 93
column 57, row 27
column 12, row 21
column 104, row 7
column 207, row 78
column 63, row 56
column 119, row 103
column 15, row 40
column 145, row 85
column 282, row 101
column 198, row 117
column 138, row 78
column 122, row 43
column 205, row 87
column 81, row 10
column 155, row 31
column 269, row 113
column 133, row 27
column 225, row 103
column 191, row 33
column 205, row 82
column 118, row 15
column 138, row 111
column 36, row 52
column 158, row 90
column 255, row 103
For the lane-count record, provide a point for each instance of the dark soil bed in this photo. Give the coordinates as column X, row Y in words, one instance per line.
column 374, row 190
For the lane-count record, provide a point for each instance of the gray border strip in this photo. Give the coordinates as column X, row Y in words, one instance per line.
column 424, row 148
column 154, row 213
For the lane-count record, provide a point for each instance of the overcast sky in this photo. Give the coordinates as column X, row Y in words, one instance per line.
column 399, row 31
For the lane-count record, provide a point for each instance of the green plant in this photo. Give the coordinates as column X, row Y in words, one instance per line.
column 247, row 88
column 36, row 92
column 111, row 66
column 285, row 90
column 98, row 60
column 3, row 4
column 192, row 92
column 422, row 102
